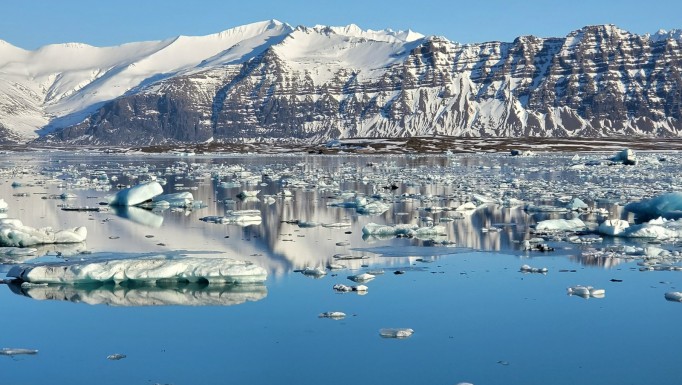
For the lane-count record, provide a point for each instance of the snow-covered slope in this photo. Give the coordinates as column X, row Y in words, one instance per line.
column 272, row 80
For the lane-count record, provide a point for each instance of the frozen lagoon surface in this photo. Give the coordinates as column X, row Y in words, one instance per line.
column 476, row 317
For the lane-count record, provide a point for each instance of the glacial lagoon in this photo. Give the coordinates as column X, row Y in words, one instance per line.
column 476, row 316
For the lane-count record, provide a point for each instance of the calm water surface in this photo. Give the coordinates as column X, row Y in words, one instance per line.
column 476, row 318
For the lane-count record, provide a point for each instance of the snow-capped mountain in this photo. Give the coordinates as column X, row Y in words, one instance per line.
column 272, row 80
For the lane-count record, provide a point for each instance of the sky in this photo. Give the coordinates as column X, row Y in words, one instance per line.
column 30, row 24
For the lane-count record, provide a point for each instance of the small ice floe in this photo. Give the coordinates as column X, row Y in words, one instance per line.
column 343, row 243
column 14, row 233
column 396, row 332
column 361, row 289
column 3, row 205
column 245, row 217
column 137, row 194
column 333, row 315
column 116, row 357
column 337, row 225
column 466, row 207
column 364, row 277
column 674, row 296
column 314, row 271
column 536, row 244
column 560, row 225
column 521, row 153
column 528, row 269
column 348, row 257
column 157, row 268
column 248, row 194
column 586, row 291
column 335, row 266
column 577, row 204
column 17, row 351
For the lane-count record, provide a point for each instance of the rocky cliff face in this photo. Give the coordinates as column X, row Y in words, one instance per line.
column 324, row 83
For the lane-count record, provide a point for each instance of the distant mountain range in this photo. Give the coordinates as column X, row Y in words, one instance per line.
column 270, row 81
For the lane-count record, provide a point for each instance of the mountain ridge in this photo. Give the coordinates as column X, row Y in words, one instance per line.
column 272, row 80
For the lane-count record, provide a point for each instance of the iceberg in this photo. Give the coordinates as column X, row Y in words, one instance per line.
column 560, row 225
column 674, row 296
column 14, row 233
column 17, row 351
column 668, row 206
column 333, row 315
column 157, row 268
column 145, row 295
column 586, row 291
column 659, row 228
column 245, row 217
column 183, row 199
column 376, row 229
column 396, row 332
column 137, row 194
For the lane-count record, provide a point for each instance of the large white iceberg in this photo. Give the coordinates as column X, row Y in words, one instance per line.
column 659, row 228
column 560, row 225
column 158, row 268
column 667, row 206
column 14, row 233
column 146, row 295
column 137, row 194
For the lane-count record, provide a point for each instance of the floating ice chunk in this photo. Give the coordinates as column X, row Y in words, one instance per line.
column 373, row 208
column 248, row 194
column 333, row 315
column 3, row 205
column 613, row 227
column 674, row 296
column 361, row 289
column 544, row 209
column 627, row 157
column 586, row 291
column 307, row 224
column 376, row 229
column 528, row 269
column 364, row 277
column 150, row 268
column 137, row 194
column 396, row 332
column 247, row 217
column 14, row 233
column 17, row 351
column 181, row 199
column 335, row 266
column 146, row 294
column 314, row 271
column 116, row 357
column 667, row 206
column 560, row 225
column 577, row 204
column 466, row 207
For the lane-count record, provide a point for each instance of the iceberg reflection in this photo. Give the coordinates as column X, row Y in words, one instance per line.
column 191, row 294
